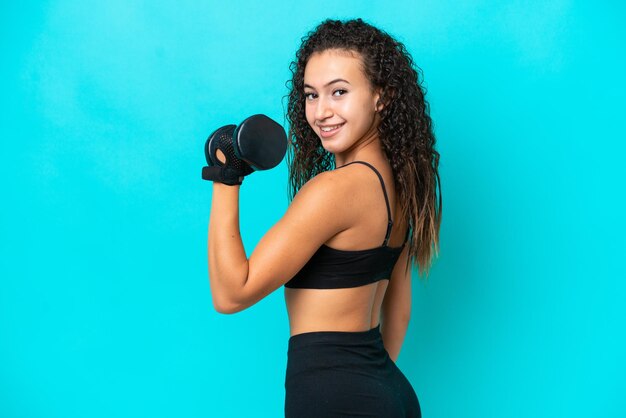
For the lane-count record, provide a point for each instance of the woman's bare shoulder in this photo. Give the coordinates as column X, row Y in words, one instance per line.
column 328, row 185
column 341, row 180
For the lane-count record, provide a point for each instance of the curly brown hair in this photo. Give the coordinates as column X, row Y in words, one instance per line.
column 405, row 129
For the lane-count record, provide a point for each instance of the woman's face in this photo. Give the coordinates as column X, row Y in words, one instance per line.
column 340, row 101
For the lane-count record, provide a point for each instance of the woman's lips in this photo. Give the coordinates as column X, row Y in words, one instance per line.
column 332, row 132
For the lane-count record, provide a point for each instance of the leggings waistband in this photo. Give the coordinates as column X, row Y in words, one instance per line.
column 346, row 337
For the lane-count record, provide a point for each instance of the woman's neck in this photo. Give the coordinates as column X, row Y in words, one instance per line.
column 370, row 150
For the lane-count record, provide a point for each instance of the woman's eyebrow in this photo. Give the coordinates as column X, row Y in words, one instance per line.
column 337, row 80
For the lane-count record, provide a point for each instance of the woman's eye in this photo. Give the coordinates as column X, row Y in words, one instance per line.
column 339, row 92
column 310, row 96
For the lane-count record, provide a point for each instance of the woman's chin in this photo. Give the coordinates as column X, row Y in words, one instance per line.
column 330, row 148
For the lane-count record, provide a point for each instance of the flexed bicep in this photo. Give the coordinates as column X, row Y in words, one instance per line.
column 315, row 215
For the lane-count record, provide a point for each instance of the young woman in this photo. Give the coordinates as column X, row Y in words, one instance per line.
column 366, row 202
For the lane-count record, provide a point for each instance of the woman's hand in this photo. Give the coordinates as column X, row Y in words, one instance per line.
column 232, row 152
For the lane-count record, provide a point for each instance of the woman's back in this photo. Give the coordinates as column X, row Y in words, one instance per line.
column 334, row 297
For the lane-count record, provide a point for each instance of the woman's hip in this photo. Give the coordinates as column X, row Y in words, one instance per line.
column 336, row 373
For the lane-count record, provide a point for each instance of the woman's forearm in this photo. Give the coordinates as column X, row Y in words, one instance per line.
column 393, row 333
column 228, row 263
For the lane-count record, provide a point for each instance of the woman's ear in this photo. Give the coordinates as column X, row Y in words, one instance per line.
column 379, row 103
column 383, row 97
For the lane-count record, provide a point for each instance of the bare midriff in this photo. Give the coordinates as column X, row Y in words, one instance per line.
column 353, row 309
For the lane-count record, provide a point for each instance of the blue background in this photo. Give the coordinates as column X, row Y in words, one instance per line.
column 105, row 306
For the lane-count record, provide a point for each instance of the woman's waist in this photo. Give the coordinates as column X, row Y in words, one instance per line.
column 337, row 310
column 333, row 337
column 300, row 325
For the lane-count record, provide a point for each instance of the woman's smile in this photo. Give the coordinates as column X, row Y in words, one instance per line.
column 330, row 130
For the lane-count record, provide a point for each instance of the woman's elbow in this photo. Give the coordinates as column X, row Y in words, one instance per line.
column 225, row 307
column 224, row 304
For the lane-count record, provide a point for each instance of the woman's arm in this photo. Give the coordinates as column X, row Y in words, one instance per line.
column 320, row 210
column 396, row 308
column 228, row 264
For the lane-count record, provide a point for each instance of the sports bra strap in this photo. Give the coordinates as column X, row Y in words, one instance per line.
column 382, row 183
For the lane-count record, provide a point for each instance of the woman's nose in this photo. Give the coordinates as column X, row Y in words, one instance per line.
column 323, row 110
